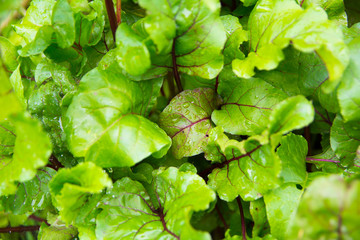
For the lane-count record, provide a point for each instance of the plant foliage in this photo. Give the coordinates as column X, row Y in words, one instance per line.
column 179, row 119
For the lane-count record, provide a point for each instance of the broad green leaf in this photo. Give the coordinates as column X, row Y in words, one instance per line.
column 105, row 122
column 276, row 23
column 31, row 151
column 71, row 188
column 345, row 139
column 292, row 152
column 247, row 105
column 161, row 210
column 335, row 9
column 187, row 120
column 247, row 168
column 258, row 213
column 8, row 54
column 9, row 103
column 32, row 195
column 43, row 19
column 16, row 82
column 281, row 205
column 292, row 113
column 348, row 92
column 58, row 232
column 328, row 210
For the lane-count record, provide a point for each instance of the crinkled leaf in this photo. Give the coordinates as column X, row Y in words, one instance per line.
column 345, row 139
column 185, row 37
column 247, row 168
column 328, row 210
column 31, row 151
column 187, row 120
column 292, row 152
column 349, row 88
column 32, row 195
column 58, row 232
column 43, row 19
column 274, row 24
column 72, row 188
column 161, row 210
column 247, row 105
column 281, row 205
column 105, row 122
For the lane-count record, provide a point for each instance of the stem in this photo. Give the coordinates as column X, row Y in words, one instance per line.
column 221, row 217
column 243, row 226
column 321, row 160
column 19, row 229
column 217, row 83
column 38, row 219
column 55, row 162
column 118, row 12
column 112, row 17
column 175, row 70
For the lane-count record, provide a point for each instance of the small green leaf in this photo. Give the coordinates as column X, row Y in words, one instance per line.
column 292, row 152
column 187, row 120
column 247, row 168
column 72, row 188
column 258, row 213
column 8, row 53
column 58, row 232
column 161, row 210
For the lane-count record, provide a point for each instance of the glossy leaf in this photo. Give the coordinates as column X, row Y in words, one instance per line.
column 105, row 122
column 187, row 120
column 72, row 188
column 246, row 168
column 274, row 24
column 327, row 210
column 247, row 105
column 258, row 213
column 58, row 232
column 32, row 195
column 32, row 148
column 162, row 210
column 8, row 54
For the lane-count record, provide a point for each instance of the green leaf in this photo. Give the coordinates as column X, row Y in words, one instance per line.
column 16, row 82
column 187, row 120
column 274, row 24
column 328, row 210
column 42, row 19
column 32, row 195
column 292, row 113
column 161, row 210
column 247, row 105
column 281, row 206
column 292, row 152
column 8, row 54
column 181, row 38
column 105, row 122
column 71, row 188
column 58, row 232
column 345, row 139
column 9, row 103
column 348, row 92
column 335, row 9
column 258, row 213
column 247, row 168
column 31, row 151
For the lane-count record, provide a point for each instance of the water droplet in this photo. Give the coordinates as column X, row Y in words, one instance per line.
column 170, row 109
column 186, row 105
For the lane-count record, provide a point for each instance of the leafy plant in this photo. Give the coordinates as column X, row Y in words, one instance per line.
column 181, row 119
